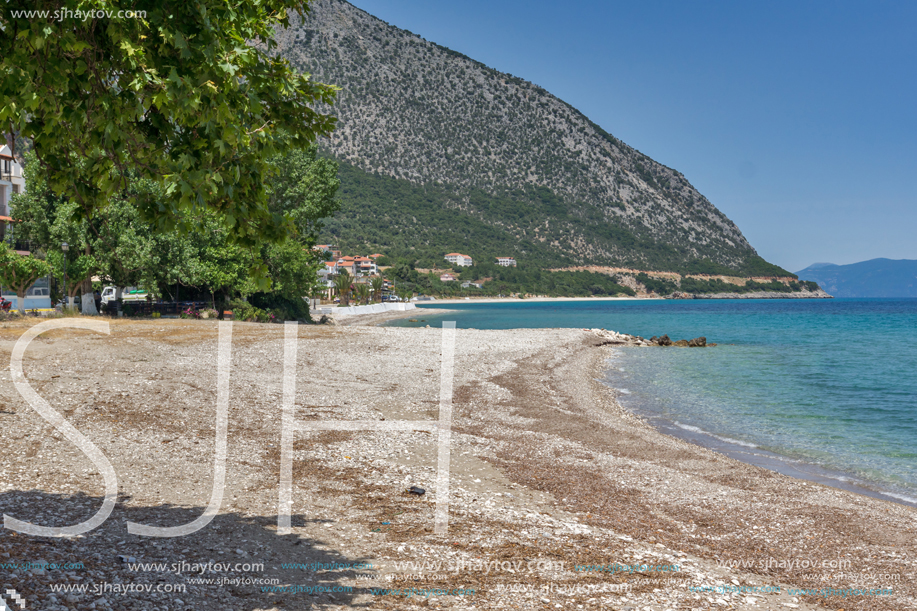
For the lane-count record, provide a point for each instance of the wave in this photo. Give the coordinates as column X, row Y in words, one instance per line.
column 695, row 429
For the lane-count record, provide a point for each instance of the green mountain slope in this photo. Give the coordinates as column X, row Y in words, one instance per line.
column 492, row 162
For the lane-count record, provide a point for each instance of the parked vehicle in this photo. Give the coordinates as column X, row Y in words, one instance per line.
column 128, row 294
column 5, row 305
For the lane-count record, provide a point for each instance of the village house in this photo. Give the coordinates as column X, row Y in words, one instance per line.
column 457, row 258
column 365, row 265
column 447, row 278
column 506, row 261
column 11, row 183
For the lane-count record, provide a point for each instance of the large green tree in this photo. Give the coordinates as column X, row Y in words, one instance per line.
column 117, row 244
column 186, row 93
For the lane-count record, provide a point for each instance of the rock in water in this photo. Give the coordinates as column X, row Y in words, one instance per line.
column 682, row 343
column 698, row 342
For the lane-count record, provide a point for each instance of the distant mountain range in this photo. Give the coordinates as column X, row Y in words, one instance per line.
column 440, row 153
column 873, row 278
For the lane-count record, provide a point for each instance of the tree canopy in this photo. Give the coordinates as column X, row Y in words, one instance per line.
column 118, row 245
column 183, row 93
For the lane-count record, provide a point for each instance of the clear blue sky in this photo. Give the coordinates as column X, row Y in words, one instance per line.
column 796, row 119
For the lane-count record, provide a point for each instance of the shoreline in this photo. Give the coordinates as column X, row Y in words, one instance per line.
column 767, row 459
column 546, row 466
column 687, row 297
column 379, row 319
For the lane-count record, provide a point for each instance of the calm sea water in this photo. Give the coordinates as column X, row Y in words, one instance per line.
column 827, row 386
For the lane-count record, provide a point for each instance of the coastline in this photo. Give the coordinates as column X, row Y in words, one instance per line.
column 683, row 296
column 536, row 299
column 546, row 467
column 371, row 320
column 764, row 458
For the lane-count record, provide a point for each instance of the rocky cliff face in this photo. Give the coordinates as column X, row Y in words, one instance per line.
column 413, row 110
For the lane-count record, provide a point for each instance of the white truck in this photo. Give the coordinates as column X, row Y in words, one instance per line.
column 128, row 294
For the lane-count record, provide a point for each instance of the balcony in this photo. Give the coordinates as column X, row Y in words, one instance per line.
column 23, row 247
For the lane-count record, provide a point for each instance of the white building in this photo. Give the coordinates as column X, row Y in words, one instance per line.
column 11, row 182
column 506, row 261
column 457, row 258
column 38, row 296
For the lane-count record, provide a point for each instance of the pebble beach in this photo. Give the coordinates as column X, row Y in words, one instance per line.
column 559, row 498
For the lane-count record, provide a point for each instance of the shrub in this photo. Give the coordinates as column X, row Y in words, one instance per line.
column 657, row 285
column 190, row 312
column 242, row 310
column 282, row 307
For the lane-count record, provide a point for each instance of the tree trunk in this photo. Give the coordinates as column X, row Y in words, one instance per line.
column 20, row 301
column 88, row 299
column 222, row 308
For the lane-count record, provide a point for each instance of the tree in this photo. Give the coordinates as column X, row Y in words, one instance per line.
column 72, row 271
column 342, row 286
column 128, row 251
column 377, row 283
column 187, row 94
column 304, row 189
column 362, row 291
column 19, row 272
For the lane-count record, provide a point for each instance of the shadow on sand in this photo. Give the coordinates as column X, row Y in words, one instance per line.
column 125, row 571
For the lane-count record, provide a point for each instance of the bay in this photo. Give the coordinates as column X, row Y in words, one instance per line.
column 824, row 389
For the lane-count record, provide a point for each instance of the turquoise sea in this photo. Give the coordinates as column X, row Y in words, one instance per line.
column 822, row 389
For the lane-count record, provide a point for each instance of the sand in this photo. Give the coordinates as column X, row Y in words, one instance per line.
column 557, row 493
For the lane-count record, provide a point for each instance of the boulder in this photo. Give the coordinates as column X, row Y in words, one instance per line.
column 697, row 342
column 663, row 341
column 682, row 343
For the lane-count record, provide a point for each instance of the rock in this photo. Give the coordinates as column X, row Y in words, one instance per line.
column 662, row 341
column 682, row 343
column 698, row 342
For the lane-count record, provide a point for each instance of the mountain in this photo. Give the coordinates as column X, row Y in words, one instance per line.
column 441, row 153
column 873, row 278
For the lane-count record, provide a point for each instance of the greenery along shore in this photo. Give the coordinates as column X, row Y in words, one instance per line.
column 496, row 280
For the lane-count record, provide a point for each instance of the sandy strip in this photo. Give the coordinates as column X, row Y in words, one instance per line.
column 559, row 498
column 372, row 320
